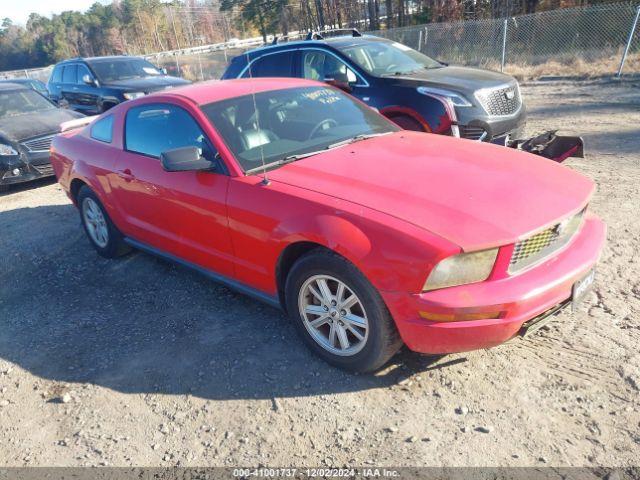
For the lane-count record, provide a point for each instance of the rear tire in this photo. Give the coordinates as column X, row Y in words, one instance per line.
column 102, row 233
column 407, row 123
column 324, row 292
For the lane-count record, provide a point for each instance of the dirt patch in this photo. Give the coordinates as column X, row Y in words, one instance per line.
column 139, row 362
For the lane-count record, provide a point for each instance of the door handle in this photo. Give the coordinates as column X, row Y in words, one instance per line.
column 126, row 175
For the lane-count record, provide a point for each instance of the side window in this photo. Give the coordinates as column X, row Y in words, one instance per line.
column 69, row 74
column 56, row 75
column 274, row 65
column 317, row 65
column 103, row 129
column 153, row 129
column 82, row 71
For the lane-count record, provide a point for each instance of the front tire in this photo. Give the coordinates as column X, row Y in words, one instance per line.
column 339, row 314
column 102, row 233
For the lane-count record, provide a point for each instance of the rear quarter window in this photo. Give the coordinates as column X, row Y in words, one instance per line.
column 102, row 130
column 272, row 65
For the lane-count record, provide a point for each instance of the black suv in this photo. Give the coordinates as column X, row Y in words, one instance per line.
column 412, row 89
column 94, row 85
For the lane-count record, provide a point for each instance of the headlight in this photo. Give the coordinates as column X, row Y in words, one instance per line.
column 7, row 150
column 457, row 99
column 132, row 95
column 462, row 269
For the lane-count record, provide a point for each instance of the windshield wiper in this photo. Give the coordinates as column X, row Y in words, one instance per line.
column 357, row 138
column 285, row 160
column 300, row 156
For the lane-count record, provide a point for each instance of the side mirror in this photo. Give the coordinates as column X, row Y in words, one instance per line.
column 340, row 81
column 86, row 78
column 163, row 71
column 184, row 159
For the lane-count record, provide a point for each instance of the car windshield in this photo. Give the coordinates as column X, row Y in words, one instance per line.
column 123, row 69
column 18, row 102
column 388, row 58
column 279, row 125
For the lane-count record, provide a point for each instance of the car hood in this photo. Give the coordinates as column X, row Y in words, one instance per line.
column 472, row 194
column 148, row 84
column 16, row 128
column 463, row 79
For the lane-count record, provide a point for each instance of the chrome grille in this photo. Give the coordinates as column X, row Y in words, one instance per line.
column 39, row 144
column 500, row 101
column 541, row 245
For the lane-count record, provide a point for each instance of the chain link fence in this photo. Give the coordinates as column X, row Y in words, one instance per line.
column 587, row 41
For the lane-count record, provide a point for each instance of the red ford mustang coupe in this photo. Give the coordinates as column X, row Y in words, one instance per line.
column 368, row 236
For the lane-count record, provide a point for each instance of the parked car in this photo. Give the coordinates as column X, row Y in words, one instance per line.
column 31, row 83
column 94, row 85
column 411, row 89
column 28, row 122
column 293, row 192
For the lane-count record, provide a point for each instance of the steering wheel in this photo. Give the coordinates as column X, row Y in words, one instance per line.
column 327, row 121
column 392, row 68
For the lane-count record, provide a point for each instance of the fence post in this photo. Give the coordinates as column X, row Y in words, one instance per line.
column 504, row 43
column 420, row 41
column 626, row 49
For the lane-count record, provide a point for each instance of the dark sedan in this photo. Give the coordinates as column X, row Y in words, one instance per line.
column 28, row 122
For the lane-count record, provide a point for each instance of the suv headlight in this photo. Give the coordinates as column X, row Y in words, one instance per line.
column 457, row 99
column 132, row 95
column 7, row 150
column 462, row 269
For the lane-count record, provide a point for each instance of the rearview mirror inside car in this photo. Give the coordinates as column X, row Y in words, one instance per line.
column 184, row 159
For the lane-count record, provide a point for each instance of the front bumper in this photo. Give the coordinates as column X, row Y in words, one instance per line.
column 475, row 124
column 31, row 167
column 517, row 298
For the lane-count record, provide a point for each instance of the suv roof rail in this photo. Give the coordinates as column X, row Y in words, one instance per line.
column 321, row 34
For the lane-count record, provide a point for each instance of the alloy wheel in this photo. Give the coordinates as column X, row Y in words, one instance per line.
column 95, row 222
column 333, row 315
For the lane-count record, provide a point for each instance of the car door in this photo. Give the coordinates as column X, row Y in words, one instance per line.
column 323, row 66
column 86, row 93
column 179, row 213
column 68, row 92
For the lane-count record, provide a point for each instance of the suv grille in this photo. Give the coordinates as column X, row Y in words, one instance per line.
column 39, row 144
column 541, row 245
column 500, row 101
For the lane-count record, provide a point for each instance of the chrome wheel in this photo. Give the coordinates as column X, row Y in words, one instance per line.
column 95, row 222
column 333, row 315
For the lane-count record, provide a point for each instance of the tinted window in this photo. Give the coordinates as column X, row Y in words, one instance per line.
column 103, row 129
column 69, row 74
column 275, row 65
column 56, row 75
column 153, row 129
column 318, row 65
column 280, row 125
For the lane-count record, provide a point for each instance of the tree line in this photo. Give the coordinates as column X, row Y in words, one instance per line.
column 148, row 26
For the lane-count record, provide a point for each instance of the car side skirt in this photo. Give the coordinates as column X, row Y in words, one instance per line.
column 216, row 277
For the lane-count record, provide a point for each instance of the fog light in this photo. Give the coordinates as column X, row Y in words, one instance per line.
column 15, row 172
column 458, row 317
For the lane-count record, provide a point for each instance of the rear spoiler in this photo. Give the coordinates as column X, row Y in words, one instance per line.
column 77, row 123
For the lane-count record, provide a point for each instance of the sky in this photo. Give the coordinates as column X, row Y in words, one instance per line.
column 19, row 10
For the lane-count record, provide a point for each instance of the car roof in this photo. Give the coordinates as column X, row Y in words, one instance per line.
column 6, row 85
column 339, row 41
column 97, row 59
column 211, row 91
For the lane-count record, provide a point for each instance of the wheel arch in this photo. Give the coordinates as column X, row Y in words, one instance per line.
column 397, row 111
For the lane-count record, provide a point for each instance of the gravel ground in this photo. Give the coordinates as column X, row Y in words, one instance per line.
column 139, row 362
